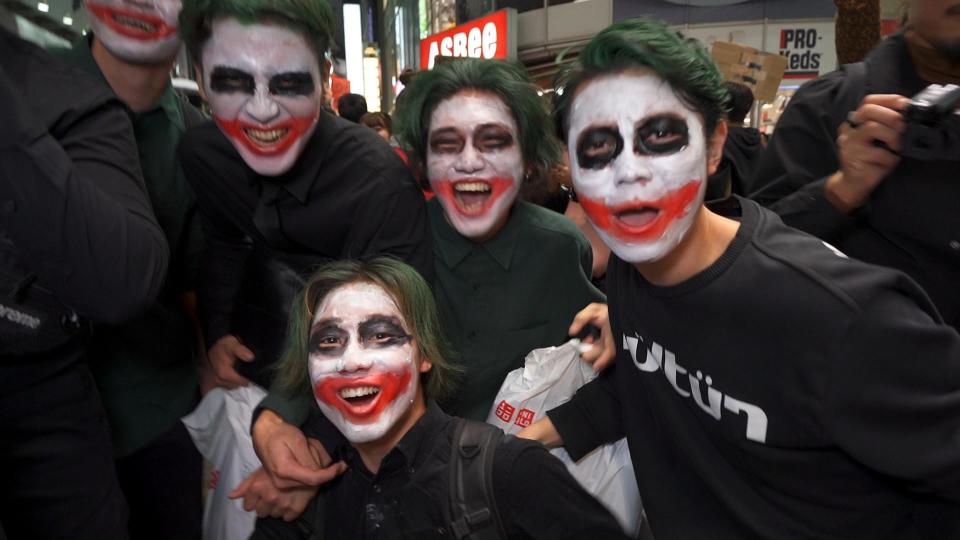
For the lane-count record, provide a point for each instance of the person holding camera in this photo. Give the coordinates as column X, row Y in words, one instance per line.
column 846, row 165
column 79, row 245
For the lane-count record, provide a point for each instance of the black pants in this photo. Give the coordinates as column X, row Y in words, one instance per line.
column 161, row 482
column 57, row 476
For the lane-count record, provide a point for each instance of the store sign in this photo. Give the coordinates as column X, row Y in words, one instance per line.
column 493, row 36
column 803, row 46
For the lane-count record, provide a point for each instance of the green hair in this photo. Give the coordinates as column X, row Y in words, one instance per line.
column 312, row 18
column 646, row 44
column 404, row 285
column 506, row 80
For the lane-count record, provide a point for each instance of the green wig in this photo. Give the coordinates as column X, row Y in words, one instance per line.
column 412, row 296
column 312, row 18
column 646, row 44
column 506, row 80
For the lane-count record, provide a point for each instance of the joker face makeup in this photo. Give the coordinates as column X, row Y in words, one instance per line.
column 364, row 364
column 264, row 88
column 474, row 162
column 639, row 164
column 137, row 31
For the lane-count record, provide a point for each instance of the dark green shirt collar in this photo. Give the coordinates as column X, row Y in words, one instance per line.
column 454, row 247
column 81, row 55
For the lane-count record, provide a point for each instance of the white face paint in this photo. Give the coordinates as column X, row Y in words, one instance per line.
column 139, row 32
column 264, row 88
column 474, row 162
column 639, row 163
column 363, row 363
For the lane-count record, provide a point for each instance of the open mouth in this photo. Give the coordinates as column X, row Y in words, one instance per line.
column 132, row 24
column 360, row 397
column 263, row 140
column 361, row 400
column 641, row 221
column 475, row 196
column 472, row 196
column 265, row 137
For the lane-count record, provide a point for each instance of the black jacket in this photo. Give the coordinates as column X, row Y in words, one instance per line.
column 911, row 221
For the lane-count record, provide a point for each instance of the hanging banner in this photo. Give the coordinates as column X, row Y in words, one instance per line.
column 493, row 36
column 810, row 48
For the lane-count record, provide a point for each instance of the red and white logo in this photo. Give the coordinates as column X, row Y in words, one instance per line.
column 505, row 411
column 525, row 417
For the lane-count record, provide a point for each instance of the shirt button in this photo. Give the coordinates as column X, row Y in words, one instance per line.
column 955, row 245
column 410, row 471
column 376, row 488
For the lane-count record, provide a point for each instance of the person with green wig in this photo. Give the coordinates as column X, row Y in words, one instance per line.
column 509, row 275
column 768, row 386
column 365, row 347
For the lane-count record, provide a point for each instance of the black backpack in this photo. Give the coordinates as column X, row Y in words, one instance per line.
column 473, row 508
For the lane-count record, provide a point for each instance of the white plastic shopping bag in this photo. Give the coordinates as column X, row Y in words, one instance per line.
column 548, row 379
column 220, row 427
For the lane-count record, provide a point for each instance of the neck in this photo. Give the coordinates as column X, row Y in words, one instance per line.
column 708, row 237
column 930, row 61
column 138, row 85
column 373, row 452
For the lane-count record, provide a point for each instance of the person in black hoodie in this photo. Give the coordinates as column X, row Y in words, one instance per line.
column 744, row 145
column 768, row 386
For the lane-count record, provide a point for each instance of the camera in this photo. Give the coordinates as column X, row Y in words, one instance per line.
column 933, row 124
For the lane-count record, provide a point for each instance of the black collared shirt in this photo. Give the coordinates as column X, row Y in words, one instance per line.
column 348, row 196
column 536, row 496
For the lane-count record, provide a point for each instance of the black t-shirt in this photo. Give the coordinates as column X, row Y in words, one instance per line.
column 407, row 498
column 347, row 196
column 784, row 392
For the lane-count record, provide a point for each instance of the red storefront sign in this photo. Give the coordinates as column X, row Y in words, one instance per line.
column 493, row 36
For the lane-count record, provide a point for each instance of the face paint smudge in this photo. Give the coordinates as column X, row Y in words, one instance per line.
column 269, row 140
column 668, row 209
column 132, row 23
column 389, row 385
column 488, row 190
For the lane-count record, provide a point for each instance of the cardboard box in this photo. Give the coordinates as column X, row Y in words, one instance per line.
column 760, row 71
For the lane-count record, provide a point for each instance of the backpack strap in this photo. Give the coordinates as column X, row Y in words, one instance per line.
column 473, row 508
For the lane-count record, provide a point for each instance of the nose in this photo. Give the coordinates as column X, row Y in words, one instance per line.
column 632, row 168
column 469, row 161
column 354, row 359
column 261, row 107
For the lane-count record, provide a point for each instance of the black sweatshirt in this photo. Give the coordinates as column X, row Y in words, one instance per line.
column 784, row 392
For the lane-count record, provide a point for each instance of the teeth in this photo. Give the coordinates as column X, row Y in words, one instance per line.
column 266, row 136
column 348, row 393
column 135, row 23
column 472, row 187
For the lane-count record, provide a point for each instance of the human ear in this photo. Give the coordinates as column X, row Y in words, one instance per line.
column 715, row 147
column 425, row 365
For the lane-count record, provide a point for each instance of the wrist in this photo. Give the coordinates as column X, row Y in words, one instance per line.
column 266, row 422
column 837, row 192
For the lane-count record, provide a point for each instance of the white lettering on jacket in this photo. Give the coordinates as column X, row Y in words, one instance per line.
column 654, row 357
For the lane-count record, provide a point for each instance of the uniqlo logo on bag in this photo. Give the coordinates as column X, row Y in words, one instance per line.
column 505, row 411
column 524, row 417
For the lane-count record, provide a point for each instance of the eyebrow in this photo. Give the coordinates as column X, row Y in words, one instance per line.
column 324, row 324
column 444, row 131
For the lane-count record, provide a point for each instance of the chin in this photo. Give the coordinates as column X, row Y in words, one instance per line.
column 644, row 252
column 269, row 165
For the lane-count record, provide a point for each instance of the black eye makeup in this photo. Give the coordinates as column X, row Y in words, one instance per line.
column 446, row 141
column 227, row 80
column 492, row 137
column 328, row 339
column 382, row 332
column 661, row 135
column 294, row 83
column 598, row 146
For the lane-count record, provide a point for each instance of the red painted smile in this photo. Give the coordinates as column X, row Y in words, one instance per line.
column 641, row 221
column 266, row 140
column 131, row 23
column 475, row 196
column 362, row 399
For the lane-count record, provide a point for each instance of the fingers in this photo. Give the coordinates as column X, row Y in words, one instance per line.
column 320, row 454
column 889, row 101
column 595, row 314
column 606, row 358
column 242, row 352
